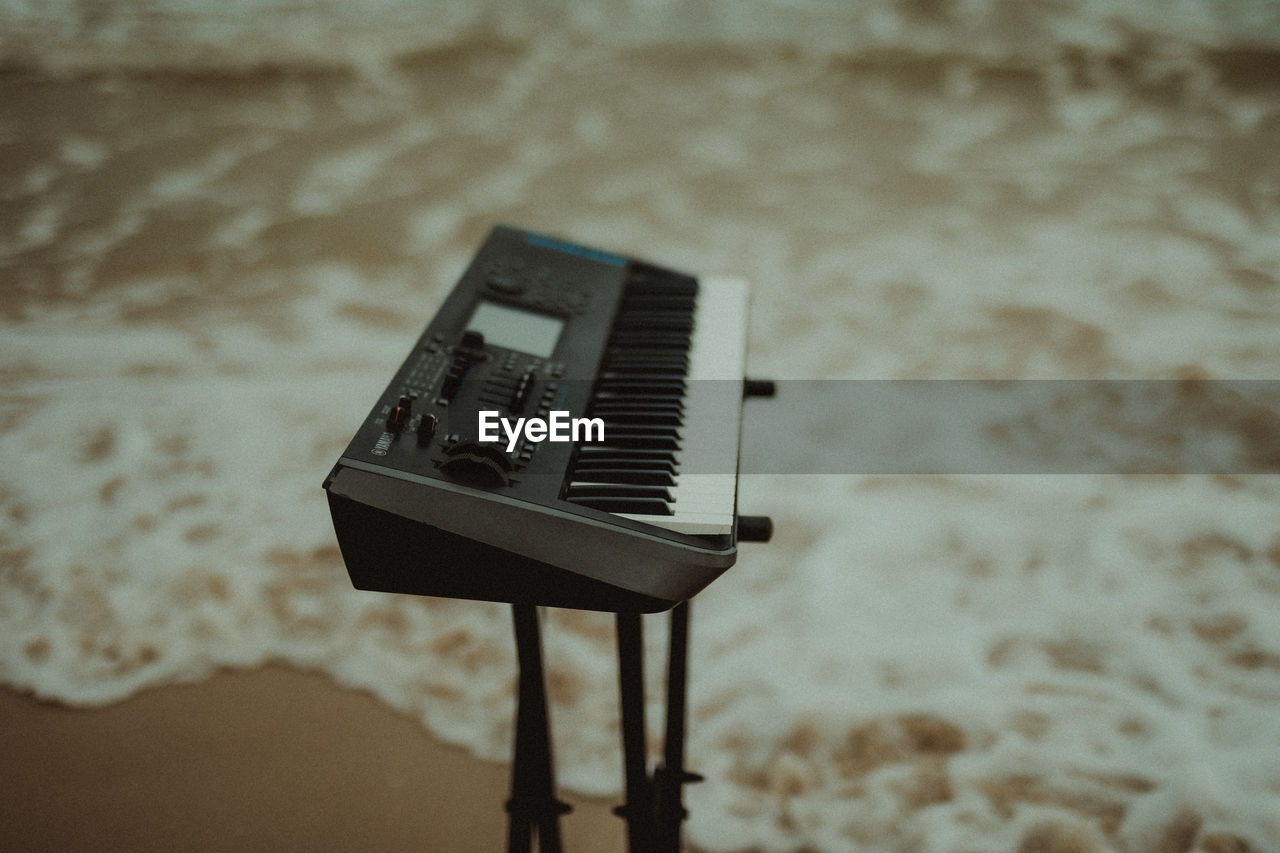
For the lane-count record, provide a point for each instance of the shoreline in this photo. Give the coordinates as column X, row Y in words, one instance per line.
column 271, row 758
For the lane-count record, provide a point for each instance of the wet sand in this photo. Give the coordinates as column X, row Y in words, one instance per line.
column 269, row 759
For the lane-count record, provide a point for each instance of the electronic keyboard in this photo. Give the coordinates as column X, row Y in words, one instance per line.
column 564, row 433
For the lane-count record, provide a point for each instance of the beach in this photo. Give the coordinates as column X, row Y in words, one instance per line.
column 221, row 234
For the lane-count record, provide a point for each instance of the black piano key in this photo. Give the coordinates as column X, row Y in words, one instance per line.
column 636, row 506
column 673, row 385
column 665, row 362
column 625, row 332
column 663, row 320
column 657, row 302
column 669, row 355
column 650, row 338
column 667, row 369
column 639, row 476
column 617, row 490
column 638, row 371
column 655, row 430
column 642, row 280
column 653, row 354
column 656, row 399
column 595, row 451
column 641, row 385
column 638, row 418
column 662, row 411
column 647, row 355
column 625, row 461
column 639, row 341
column 639, row 441
column 659, row 416
column 640, row 430
column 643, row 404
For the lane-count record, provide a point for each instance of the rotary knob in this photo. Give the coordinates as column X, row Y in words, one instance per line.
column 484, row 466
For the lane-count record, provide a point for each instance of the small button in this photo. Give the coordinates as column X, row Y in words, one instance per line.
column 501, row 282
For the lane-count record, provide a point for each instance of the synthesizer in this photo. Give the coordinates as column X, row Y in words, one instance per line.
column 563, row 433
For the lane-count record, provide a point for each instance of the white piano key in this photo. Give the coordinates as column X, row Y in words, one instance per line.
column 706, row 489
column 695, row 524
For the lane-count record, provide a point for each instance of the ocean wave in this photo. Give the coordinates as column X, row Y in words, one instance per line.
column 373, row 36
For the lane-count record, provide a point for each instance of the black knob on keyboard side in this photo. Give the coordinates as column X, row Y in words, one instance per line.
column 755, row 528
column 480, row 465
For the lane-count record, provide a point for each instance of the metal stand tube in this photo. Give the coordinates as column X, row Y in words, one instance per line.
column 533, row 804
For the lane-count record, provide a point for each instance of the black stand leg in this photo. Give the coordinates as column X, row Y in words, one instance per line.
column 654, row 807
column 533, row 802
column 638, row 808
column 670, row 777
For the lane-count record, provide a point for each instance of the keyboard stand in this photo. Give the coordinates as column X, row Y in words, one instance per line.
column 654, row 803
column 654, row 806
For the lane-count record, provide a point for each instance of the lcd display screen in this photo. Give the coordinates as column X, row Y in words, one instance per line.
column 517, row 329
